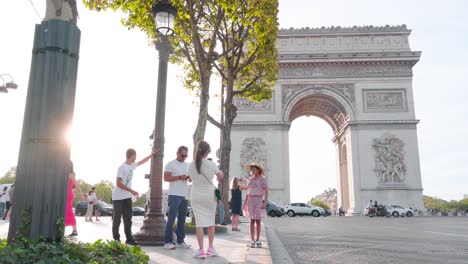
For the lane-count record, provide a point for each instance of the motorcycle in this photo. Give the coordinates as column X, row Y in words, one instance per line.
column 380, row 210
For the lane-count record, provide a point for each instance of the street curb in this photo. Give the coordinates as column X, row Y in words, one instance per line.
column 259, row 255
column 280, row 253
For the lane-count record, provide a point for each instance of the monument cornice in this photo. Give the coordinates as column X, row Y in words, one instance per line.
column 357, row 57
column 355, row 30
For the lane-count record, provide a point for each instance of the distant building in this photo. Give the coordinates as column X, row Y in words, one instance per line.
column 329, row 197
column 465, row 196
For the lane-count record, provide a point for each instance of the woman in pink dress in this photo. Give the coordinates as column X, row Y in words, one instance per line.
column 70, row 219
column 256, row 200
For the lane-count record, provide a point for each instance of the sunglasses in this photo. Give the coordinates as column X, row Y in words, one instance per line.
column 184, row 156
column 253, row 168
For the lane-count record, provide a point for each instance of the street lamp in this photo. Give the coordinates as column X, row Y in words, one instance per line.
column 152, row 231
column 7, row 85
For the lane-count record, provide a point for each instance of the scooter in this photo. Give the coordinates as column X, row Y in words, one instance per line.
column 380, row 210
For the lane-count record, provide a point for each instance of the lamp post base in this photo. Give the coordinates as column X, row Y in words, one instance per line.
column 151, row 232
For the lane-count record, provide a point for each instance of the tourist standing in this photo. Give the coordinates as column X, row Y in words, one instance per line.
column 95, row 203
column 236, row 203
column 123, row 194
column 89, row 211
column 204, row 202
column 3, row 199
column 256, row 201
column 70, row 219
column 176, row 173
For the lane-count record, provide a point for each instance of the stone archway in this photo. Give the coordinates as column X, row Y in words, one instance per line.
column 359, row 80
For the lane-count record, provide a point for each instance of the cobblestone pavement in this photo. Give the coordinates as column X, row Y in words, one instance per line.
column 368, row 240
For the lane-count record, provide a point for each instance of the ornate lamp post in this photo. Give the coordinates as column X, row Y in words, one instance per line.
column 7, row 85
column 152, row 231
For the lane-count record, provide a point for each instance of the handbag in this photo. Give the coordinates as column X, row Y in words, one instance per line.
column 217, row 192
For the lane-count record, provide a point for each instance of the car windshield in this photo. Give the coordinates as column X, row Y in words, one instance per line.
column 397, row 206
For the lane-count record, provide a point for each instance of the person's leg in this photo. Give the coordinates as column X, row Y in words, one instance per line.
column 211, row 233
column 182, row 214
column 117, row 215
column 259, row 225
column 200, row 237
column 96, row 212
column 127, row 218
column 171, row 215
column 9, row 213
column 252, row 229
column 221, row 213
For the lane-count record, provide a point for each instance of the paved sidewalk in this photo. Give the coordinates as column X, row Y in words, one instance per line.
column 232, row 247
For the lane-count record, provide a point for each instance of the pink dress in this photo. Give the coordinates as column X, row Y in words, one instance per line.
column 70, row 219
column 256, row 191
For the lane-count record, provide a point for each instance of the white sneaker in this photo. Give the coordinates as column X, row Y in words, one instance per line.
column 259, row 244
column 252, row 244
column 169, row 246
column 183, row 245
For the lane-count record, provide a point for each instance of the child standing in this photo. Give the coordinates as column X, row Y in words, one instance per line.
column 256, row 201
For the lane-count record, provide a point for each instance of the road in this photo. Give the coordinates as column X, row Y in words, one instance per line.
column 368, row 240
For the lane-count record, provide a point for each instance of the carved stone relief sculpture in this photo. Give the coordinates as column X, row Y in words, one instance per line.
column 253, row 150
column 244, row 104
column 390, row 166
column 375, row 100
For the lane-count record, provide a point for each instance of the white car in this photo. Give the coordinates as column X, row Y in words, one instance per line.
column 397, row 211
column 294, row 209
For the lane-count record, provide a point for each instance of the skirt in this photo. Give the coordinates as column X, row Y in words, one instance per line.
column 253, row 208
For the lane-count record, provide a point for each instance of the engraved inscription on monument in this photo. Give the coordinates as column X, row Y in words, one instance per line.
column 385, row 100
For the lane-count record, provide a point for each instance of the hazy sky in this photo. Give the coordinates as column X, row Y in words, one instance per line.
column 116, row 92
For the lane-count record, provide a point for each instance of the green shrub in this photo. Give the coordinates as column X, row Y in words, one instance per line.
column 320, row 203
column 67, row 252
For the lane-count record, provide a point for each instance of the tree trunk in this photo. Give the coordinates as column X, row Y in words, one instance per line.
column 225, row 159
column 200, row 130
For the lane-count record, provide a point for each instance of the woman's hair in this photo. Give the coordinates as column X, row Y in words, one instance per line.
column 234, row 183
column 202, row 148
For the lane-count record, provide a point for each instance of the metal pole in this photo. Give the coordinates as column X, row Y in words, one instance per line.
column 152, row 231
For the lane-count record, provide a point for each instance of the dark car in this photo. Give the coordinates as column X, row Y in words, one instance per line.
column 104, row 209
column 138, row 211
column 274, row 209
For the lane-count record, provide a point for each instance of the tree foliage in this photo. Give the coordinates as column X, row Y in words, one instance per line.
column 438, row 204
column 9, row 177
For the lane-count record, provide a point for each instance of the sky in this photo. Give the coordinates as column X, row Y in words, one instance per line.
column 116, row 92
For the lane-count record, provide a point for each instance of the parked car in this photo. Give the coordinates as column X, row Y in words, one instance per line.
column 104, row 209
column 274, row 209
column 397, row 210
column 294, row 209
column 138, row 211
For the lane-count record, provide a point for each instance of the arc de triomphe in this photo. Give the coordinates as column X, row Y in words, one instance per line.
column 359, row 80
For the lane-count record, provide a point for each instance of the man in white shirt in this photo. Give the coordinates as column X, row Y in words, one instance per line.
column 176, row 173
column 123, row 193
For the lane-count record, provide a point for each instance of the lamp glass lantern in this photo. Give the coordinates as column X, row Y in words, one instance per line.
column 164, row 15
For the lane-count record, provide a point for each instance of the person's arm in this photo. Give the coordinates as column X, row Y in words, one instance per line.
column 143, row 161
column 77, row 186
column 123, row 187
column 169, row 178
column 265, row 201
column 220, row 175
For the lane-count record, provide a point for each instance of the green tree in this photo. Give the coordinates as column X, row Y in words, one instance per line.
column 141, row 201
column 319, row 203
column 9, row 177
column 464, row 204
column 104, row 190
column 247, row 36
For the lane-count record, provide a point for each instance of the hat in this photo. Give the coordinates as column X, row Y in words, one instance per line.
column 256, row 164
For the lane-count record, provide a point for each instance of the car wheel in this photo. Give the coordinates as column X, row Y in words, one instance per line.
column 395, row 214
column 315, row 213
column 371, row 215
column 291, row 213
column 272, row 213
column 409, row 214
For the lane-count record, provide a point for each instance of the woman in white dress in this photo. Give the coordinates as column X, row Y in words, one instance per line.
column 204, row 202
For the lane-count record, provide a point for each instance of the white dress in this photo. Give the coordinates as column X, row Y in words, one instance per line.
column 203, row 198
